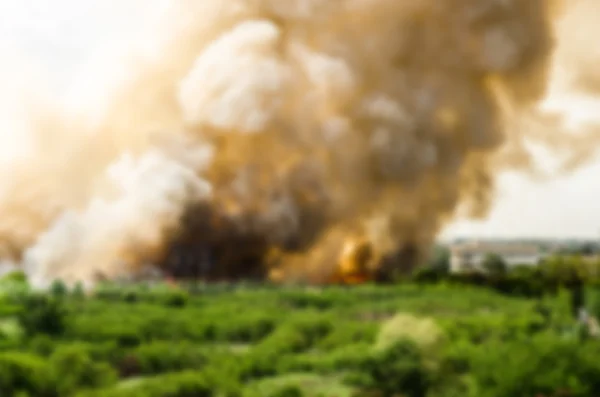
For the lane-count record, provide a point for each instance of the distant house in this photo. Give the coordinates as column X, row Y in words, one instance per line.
column 470, row 256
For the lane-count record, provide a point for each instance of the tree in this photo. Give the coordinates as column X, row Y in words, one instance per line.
column 79, row 291
column 42, row 314
column 16, row 276
column 73, row 369
column 398, row 370
column 58, row 289
column 440, row 259
column 494, row 264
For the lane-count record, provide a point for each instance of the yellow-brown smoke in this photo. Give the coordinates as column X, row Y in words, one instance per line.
column 263, row 135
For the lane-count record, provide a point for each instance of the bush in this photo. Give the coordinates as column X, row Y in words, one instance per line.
column 16, row 276
column 245, row 328
column 130, row 297
column 127, row 338
column 58, row 289
column 185, row 384
column 294, row 337
column 297, row 335
column 424, row 332
column 470, row 278
column 177, row 299
column 306, row 300
column 287, row 391
column 349, row 357
column 427, row 275
column 108, row 293
column 42, row 314
column 539, row 366
column 494, row 265
column 20, row 372
column 528, row 285
column 72, row 370
column 347, row 333
column 78, row 291
column 162, row 357
column 593, row 300
column 398, row 370
column 42, row 345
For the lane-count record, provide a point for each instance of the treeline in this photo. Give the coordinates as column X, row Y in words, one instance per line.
column 546, row 278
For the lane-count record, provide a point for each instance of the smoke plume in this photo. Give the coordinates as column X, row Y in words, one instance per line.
column 265, row 137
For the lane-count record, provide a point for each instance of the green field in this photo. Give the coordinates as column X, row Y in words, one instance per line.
column 401, row 340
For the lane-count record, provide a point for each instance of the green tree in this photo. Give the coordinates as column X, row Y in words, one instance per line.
column 398, row 370
column 73, row 369
column 494, row 264
column 16, row 276
column 58, row 289
column 42, row 314
column 436, row 268
column 24, row 373
column 593, row 299
column 78, row 291
column 440, row 259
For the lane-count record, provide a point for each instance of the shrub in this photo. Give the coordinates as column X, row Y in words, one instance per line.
column 399, row 370
column 42, row 345
column 526, row 284
column 306, row 300
column 78, row 291
column 185, row 384
column 312, row 327
column 16, row 276
column 130, row 297
column 287, row 391
column 347, row 333
column 58, row 289
column 20, row 372
column 538, row 366
column 493, row 264
column 470, row 278
column 176, row 299
column 440, row 260
column 593, row 300
column 245, row 328
column 349, row 357
column 296, row 335
column 108, row 293
column 427, row 274
column 161, row 357
column 73, row 369
column 424, row 332
column 42, row 314
column 259, row 363
column 127, row 338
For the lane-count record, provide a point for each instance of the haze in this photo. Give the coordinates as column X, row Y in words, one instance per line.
column 58, row 37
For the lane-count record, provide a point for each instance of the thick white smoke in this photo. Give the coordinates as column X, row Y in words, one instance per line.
column 149, row 197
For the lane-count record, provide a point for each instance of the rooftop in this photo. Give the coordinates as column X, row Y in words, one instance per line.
column 496, row 248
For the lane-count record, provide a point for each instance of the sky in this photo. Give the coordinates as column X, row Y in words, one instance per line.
column 58, row 36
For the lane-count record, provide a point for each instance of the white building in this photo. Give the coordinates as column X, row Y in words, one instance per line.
column 470, row 256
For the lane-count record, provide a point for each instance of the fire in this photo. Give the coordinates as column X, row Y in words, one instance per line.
column 354, row 263
column 342, row 257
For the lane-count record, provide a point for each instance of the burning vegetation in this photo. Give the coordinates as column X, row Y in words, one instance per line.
column 298, row 140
